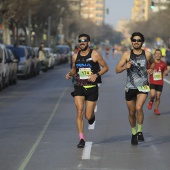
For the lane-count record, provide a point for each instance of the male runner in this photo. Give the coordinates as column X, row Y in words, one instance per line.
column 156, row 81
column 86, row 69
column 137, row 86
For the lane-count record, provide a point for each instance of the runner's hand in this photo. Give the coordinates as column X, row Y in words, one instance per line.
column 128, row 64
column 92, row 78
column 68, row 76
column 150, row 71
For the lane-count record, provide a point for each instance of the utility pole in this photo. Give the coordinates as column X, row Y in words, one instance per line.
column 29, row 27
column 49, row 32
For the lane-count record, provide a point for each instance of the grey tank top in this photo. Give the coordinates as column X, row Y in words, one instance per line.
column 137, row 74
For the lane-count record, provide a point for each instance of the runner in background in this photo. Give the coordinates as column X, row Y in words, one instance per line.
column 156, row 81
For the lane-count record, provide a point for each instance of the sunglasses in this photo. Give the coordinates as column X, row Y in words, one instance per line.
column 136, row 40
column 82, row 40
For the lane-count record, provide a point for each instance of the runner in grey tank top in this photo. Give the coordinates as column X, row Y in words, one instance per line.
column 137, row 87
column 137, row 74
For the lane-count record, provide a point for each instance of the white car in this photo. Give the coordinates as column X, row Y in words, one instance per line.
column 50, row 57
column 13, row 65
column 4, row 67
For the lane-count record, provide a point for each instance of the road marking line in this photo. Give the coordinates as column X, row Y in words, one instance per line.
column 95, row 110
column 87, row 150
column 35, row 145
column 91, row 127
column 167, row 81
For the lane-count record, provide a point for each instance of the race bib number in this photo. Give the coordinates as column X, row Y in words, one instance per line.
column 144, row 88
column 85, row 73
column 157, row 76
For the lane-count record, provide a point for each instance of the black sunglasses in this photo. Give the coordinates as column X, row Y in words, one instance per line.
column 136, row 40
column 82, row 40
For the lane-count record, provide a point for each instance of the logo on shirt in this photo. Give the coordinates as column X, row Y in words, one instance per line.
column 80, row 65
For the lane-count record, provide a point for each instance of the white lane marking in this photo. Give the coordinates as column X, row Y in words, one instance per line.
column 91, row 127
column 87, row 150
column 35, row 145
column 167, row 81
column 95, row 110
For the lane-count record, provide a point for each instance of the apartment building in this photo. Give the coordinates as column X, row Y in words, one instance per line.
column 142, row 9
column 93, row 10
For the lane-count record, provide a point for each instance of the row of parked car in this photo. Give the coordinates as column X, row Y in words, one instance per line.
column 22, row 61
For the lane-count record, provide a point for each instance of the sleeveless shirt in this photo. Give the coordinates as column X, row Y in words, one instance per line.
column 82, row 64
column 137, row 74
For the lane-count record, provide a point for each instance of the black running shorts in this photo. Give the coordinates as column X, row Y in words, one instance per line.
column 90, row 94
column 132, row 94
column 156, row 87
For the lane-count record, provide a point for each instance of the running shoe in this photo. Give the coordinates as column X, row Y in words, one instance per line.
column 140, row 137
column 81, row 144
column 156, row 111
column 150, row 105
column 91, row 121
column 134, row 140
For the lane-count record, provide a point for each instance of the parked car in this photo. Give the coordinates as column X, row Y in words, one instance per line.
column 43, row 65
column 4, row 67
column 65, row 52
column 50, row 57
column 24, row 66
column 13, row 67
column 57, row 55
column 34, row 61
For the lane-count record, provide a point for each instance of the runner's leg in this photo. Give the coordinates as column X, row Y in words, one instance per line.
column 141, row 98
column 152, row 95
column 157, row 101
column 132, row 117
column 79, row 103
column 89, row 111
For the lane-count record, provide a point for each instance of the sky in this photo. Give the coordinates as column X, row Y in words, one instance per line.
column 118, row 9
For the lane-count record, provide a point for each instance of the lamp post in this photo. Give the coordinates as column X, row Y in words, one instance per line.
column 49, row 32
column 29, row 27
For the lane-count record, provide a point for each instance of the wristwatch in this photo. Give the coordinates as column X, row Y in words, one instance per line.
column 97, row 74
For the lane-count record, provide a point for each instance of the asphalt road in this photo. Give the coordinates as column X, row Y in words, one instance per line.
column 38, row 130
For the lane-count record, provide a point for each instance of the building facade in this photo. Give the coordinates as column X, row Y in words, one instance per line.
column 142, row 10
column 93, row 10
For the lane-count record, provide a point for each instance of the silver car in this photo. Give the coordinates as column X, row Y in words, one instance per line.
column 4, row 67
column 24, row 66
column 13, row 65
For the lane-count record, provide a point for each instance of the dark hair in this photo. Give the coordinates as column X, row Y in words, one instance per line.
column 158, row 50
column 75, row 47
column 138, row 34
column 85, row 35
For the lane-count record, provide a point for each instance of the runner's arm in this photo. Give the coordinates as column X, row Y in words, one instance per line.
column 123, row 64
column 73, row 69
column 166, row 71
column 151, row 61
column 104, row 67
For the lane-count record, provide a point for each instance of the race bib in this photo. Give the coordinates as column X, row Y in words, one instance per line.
column 157, row 76
column 144, row 88
column 85, row 73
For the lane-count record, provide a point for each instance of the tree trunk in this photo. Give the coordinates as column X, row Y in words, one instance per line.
column 6, row 34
